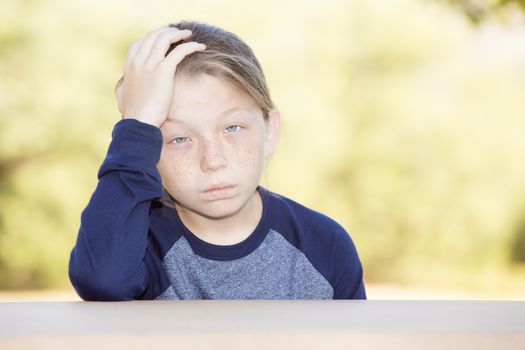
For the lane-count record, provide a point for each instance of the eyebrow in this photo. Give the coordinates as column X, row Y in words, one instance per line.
column 232, row 109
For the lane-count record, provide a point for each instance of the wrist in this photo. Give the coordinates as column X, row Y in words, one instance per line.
column 142, row 120
column 136, row 142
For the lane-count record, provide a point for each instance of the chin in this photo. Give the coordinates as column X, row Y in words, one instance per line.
column 216, row 211
column 220, row 208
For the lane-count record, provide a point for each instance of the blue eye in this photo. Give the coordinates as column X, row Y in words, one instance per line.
column 179, row 140
column 233, row 128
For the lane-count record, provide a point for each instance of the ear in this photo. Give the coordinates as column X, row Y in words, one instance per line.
column 273, row 132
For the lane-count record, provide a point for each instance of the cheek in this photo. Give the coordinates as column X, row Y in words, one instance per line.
column 246, row 151
column 175, row 165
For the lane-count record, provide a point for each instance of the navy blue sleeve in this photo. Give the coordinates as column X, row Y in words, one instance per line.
column 325, row 243
column 107, row 261
column 349, row 270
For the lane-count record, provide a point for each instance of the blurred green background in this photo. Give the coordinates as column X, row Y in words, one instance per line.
column 403, row 120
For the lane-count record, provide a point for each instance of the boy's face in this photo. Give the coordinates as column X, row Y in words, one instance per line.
column 215, row 143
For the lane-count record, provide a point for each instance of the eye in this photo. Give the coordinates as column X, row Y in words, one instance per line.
column 233, row 128
column 180, row 140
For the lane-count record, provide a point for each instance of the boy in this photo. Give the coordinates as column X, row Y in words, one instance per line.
column 178, row 212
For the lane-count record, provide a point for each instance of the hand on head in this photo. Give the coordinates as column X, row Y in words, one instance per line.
column 146, row 91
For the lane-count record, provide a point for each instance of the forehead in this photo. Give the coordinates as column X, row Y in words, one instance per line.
column 207, row 95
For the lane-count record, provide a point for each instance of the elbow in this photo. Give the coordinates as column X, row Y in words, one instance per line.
column 91, row 286
column 96, row 289
column 360, row 292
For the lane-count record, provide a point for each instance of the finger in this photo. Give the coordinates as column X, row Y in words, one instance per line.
column 137, row 45
column 148, row 42
column 132, row 51
column 181, row 51
column 162, row 44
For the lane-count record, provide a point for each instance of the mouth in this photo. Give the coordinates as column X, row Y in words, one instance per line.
column 220, row 190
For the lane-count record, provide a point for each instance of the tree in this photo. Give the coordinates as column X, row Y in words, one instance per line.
column 479, row 10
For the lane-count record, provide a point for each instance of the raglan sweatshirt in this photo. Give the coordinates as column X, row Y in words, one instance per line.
column 131, row 246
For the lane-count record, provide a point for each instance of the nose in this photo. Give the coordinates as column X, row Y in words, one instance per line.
column 212, row 156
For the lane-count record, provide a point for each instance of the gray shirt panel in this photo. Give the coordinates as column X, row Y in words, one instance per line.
column 275, row 270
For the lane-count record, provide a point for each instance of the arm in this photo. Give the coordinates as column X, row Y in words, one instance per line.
column 349, row 284
column 107, row 260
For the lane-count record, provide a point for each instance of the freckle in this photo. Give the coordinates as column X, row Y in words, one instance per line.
column 246, row 153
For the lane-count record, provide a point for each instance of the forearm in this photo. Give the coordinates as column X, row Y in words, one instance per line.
column 107, row 260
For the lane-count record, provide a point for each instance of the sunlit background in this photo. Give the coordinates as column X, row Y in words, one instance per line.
column 403, row 120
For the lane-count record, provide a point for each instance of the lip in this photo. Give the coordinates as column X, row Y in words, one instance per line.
column 219, row 190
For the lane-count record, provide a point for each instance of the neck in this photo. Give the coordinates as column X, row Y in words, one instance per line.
column 225, row 231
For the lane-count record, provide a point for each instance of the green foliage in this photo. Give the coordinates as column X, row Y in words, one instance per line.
column 401, row 121
column 517, row 245
column 417, row 152
column 480, row 10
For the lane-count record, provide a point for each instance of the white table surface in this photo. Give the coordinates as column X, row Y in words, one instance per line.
column 263, row 324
